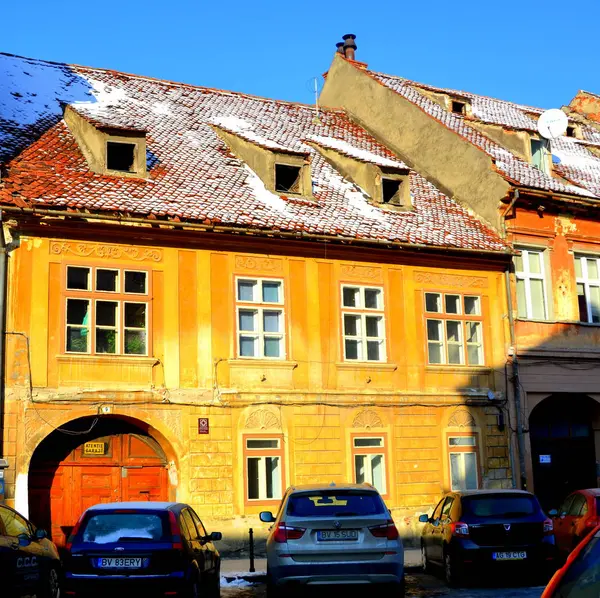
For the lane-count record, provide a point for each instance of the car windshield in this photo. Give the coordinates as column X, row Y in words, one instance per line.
column 103, row 528
column 335, row 503
column 501, row 505
column 582, row 578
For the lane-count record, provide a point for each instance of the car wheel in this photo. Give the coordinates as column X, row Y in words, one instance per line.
column 52, row 589
column 451, row 571
column 424, row 560
column 214, row 589
column 272, row 590
column 194, row 589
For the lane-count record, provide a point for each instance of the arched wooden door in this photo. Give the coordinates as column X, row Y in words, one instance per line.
column 119, row 467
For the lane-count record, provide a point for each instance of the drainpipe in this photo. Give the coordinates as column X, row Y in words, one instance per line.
column 3, row 270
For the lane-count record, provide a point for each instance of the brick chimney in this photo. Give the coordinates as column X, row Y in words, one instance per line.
column 349, row 46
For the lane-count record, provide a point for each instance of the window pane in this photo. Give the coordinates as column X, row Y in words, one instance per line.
column 473, row 332
column 273, row 474
column 461, row 441
column 474, row 355
column 435, row 352
column 351, row 297
column 372, row 298
column 273, row 347
column 521, row 299
column 246, row 290
column 257, row 443
column 434, row 330
column 106, row 313
column 135, row 282
column 77, row 339
column 359, row 468
column 351, row 325
column 247, row 320
column 374, row 350
column 433, row 302
column 538, row 306
column 455, row 354
column 271, row 321
column 453, row 332
column 247, row 346
column 535, row 262
column 470, row 471
column 578, row 271
column 358, row 442
column 106, row 341
column 270, row 291
column 592, row 269
column 518, row 263
column 455, row 471
column 595, row 303
column 135, row 342
column 78, row 278
column 253, row 465
column 582, row 303
column 135, row 315
column 106, row 280
column 373, row 326
column 352, row 349
column 377, row 473
column 452, row 304
column 78, row 311
column 472, row 307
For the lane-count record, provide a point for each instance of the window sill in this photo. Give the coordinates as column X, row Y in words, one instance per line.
column 459, row 369
column 105, row 359
column 569, row 322
column 366, row 365
column 244, row 362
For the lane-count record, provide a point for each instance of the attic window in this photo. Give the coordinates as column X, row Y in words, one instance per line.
column 571, row 131
column 458, row 107
column 120, row 156
column 539, row 155
column 390, row 191
column 287, row 178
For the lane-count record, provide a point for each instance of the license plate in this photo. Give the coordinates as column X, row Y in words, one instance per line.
column 509, row 556
column 337, row 534
column 119, row 563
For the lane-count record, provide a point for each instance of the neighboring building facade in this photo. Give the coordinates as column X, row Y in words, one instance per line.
column 211, row 296
column 542, row 197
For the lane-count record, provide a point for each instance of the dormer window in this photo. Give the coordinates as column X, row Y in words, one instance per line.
column 458, row 107
column 395, row 188
column 288, row 178
column 539, row 155
column 573, row 131
column 390, row 191
column 120, row 156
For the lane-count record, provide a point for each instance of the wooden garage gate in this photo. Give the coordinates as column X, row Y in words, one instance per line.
column 121, row 467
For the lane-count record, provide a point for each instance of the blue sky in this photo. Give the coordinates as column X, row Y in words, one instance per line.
column 532, row 52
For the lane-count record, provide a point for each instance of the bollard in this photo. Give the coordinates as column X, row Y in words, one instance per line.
column 251, row 535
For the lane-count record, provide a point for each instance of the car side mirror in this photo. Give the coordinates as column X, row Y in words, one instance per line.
column 40, row 534
column 553, row 513
column 215, row 536
column 24, row 540
column 423, row 518
column 266, row 517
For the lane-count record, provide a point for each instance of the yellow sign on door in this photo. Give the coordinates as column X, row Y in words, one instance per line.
column 94, row 448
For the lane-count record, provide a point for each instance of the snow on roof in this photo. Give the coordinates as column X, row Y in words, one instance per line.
column 578, row 166
column 192, row 174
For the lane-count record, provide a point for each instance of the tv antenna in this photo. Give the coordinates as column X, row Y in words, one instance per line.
column 316, row 120
column 552, row 123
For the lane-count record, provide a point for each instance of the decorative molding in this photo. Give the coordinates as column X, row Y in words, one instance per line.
column 362, row 273
column 461, row 418
column 114, row 252
column 263, row 264
column 367, row 419
column 262, row 419
column 451, row 280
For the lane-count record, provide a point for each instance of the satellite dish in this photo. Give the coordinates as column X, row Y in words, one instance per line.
column 552, row 123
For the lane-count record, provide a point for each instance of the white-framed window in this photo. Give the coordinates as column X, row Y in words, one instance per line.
column 363, row 323
column 260, row 318
column 540, row 154
column 106, row 311
column 532, row 302
column 587, row 273
column 454, row 329
column 368, row 455
column 264, row 468
column 462, row 451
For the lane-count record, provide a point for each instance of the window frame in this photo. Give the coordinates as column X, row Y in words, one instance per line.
column 363, row 312
column 587, row 283
column 371, row 450
column 93, row 296
column 462, row 319
column 263, row 453
column 134, row 162
column 526, row 276
column 260, row 307
column 463, row 449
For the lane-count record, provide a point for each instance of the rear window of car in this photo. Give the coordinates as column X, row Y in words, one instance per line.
column 583, row 576
column 345, row 503
column 104, row 528
column 505, row 505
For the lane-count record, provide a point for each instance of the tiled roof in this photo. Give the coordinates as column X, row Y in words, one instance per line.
column 192, row 174
column 579, row 167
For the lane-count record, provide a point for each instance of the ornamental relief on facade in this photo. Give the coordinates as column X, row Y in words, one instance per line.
column 367, row 419
column 114, row 252
column 362, row 273
column 263, row 419
column 461, row 418
column 260, row 264
column 451, row 280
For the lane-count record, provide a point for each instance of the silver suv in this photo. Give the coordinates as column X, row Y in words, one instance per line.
column 328, row 534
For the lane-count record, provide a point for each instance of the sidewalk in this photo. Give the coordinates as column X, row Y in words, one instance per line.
column 239, row 569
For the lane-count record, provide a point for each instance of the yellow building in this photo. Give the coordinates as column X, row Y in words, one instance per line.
column 271, row 297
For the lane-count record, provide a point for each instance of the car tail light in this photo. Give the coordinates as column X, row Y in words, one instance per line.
column 74, row 532
column 284, row 532
column 387, row 530
column 459, row 529
column 175, row 532
column 592, row 522
column 548, row 527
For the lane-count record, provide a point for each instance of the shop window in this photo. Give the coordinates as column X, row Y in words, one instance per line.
column 462, row 451
column 454, row 329
column 531, row 285
column 368, row 456
column 587, row 273
column 260, row 318
column 363, row 323
column 106, row 311
column 264, row 468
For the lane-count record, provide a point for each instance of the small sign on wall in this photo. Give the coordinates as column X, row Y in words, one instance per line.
column 203, row 427
column 94, row 448
column 545, row 458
